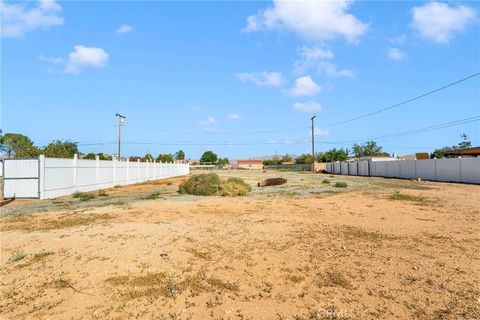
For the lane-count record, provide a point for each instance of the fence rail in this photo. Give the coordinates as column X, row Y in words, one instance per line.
column 58, row 177
column 449, row 170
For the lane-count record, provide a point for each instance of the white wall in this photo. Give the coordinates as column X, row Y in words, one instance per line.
column 59, row 177
column 449, row 170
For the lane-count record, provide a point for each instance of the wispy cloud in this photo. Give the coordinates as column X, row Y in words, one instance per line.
column 234, row 116
column 308, row 107
column 124, row 28
column 262, row 79
column 19, row 18
column 315, row 59
column 208, row 122
column 84, row 56
column 396, row 54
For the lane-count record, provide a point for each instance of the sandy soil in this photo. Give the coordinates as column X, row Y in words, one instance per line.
column 378, row 249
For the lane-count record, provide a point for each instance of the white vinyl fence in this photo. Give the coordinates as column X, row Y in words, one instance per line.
column 449, row 169
column 47, row 178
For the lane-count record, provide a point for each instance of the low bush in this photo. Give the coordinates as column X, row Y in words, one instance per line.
column 340, row 185
column 102, row 193
column 83, row 196
column 152, row 196
column 326, row 181
column 211, row 185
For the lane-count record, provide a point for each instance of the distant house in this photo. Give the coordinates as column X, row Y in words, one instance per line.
column 250, row 164
column 469, row 152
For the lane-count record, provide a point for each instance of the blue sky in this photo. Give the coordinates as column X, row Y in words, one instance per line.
column 239, row 78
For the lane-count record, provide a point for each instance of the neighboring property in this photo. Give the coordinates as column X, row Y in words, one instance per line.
column 250, row 164
column 463, row 153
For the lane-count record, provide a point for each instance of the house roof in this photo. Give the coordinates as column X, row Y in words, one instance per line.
column 475, row 151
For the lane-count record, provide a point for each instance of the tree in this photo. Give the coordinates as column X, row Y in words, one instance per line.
column 148, row 157
column 61, row 149
column 333, row 155
column 134, row 158
column 465, row 143
column 90, row 156
column 179, row 155
column 167, row 157
column 287, row 158
column 305, row 158
column 370, row 148
column 208, row 157
column 18, row 145
column 222, row 161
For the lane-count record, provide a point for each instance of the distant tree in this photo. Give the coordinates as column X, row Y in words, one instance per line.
column 90, row 156
column 272, row 162
column 167, row 157
column 179, row 155
column 102, row 156
column 370, row 148
column 148, row 157
column 305, row 158
column 18, row 145
column 332, row 155
column 222, row 161
column 60, row 149
column 208, row 157
column 134, row 158
column 465, row 143
column 286, row 158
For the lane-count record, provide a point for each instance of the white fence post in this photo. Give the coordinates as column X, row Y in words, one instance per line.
column 147, row 169
column 114, row 161
column 97, row 168
column 138, row 170
column 41, row 176
column 154, row 170
column 75, row 165
column 128, row 170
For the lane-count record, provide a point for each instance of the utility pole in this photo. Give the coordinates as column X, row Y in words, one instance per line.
column 120, row 121
column 313, row 143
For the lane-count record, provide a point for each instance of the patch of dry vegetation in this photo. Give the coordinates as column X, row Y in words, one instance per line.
column 29, row 223
column 210, row 184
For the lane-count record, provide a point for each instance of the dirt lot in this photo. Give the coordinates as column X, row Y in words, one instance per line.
column 377, row 249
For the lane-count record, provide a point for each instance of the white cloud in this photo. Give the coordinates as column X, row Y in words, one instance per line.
column 85, row 57
column 320, row 132
column 310, row 106
column 264, row 78
column 305, row 86
column 53, row 60
column 233, row 116
column 208, row 122
column 315, row 58
column 330, row 69
column 398, row 40
column 438, row 21
column 316, row 20
column 396, row 54
column 19, row 18
column 124, row 28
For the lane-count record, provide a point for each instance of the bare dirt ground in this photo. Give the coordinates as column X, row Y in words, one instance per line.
column 377, row 249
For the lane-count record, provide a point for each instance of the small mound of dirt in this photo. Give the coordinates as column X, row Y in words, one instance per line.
column 272, row 182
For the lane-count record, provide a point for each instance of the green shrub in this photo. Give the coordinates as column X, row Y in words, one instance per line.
column 102, row 193
column 83, row 196
column 340, row 185
column 211, row 185
column 18, row 256
column 152, row 196
column 326, row 181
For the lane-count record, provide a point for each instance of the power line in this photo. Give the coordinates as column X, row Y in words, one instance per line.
column 403, row 102
column 217, row 132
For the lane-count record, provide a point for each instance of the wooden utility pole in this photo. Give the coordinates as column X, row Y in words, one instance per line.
column 313, row 143
column 120, row 121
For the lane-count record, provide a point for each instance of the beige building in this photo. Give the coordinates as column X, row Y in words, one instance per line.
column 250, row 164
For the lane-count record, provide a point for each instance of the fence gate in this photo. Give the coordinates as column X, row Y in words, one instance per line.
column 21, row 178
